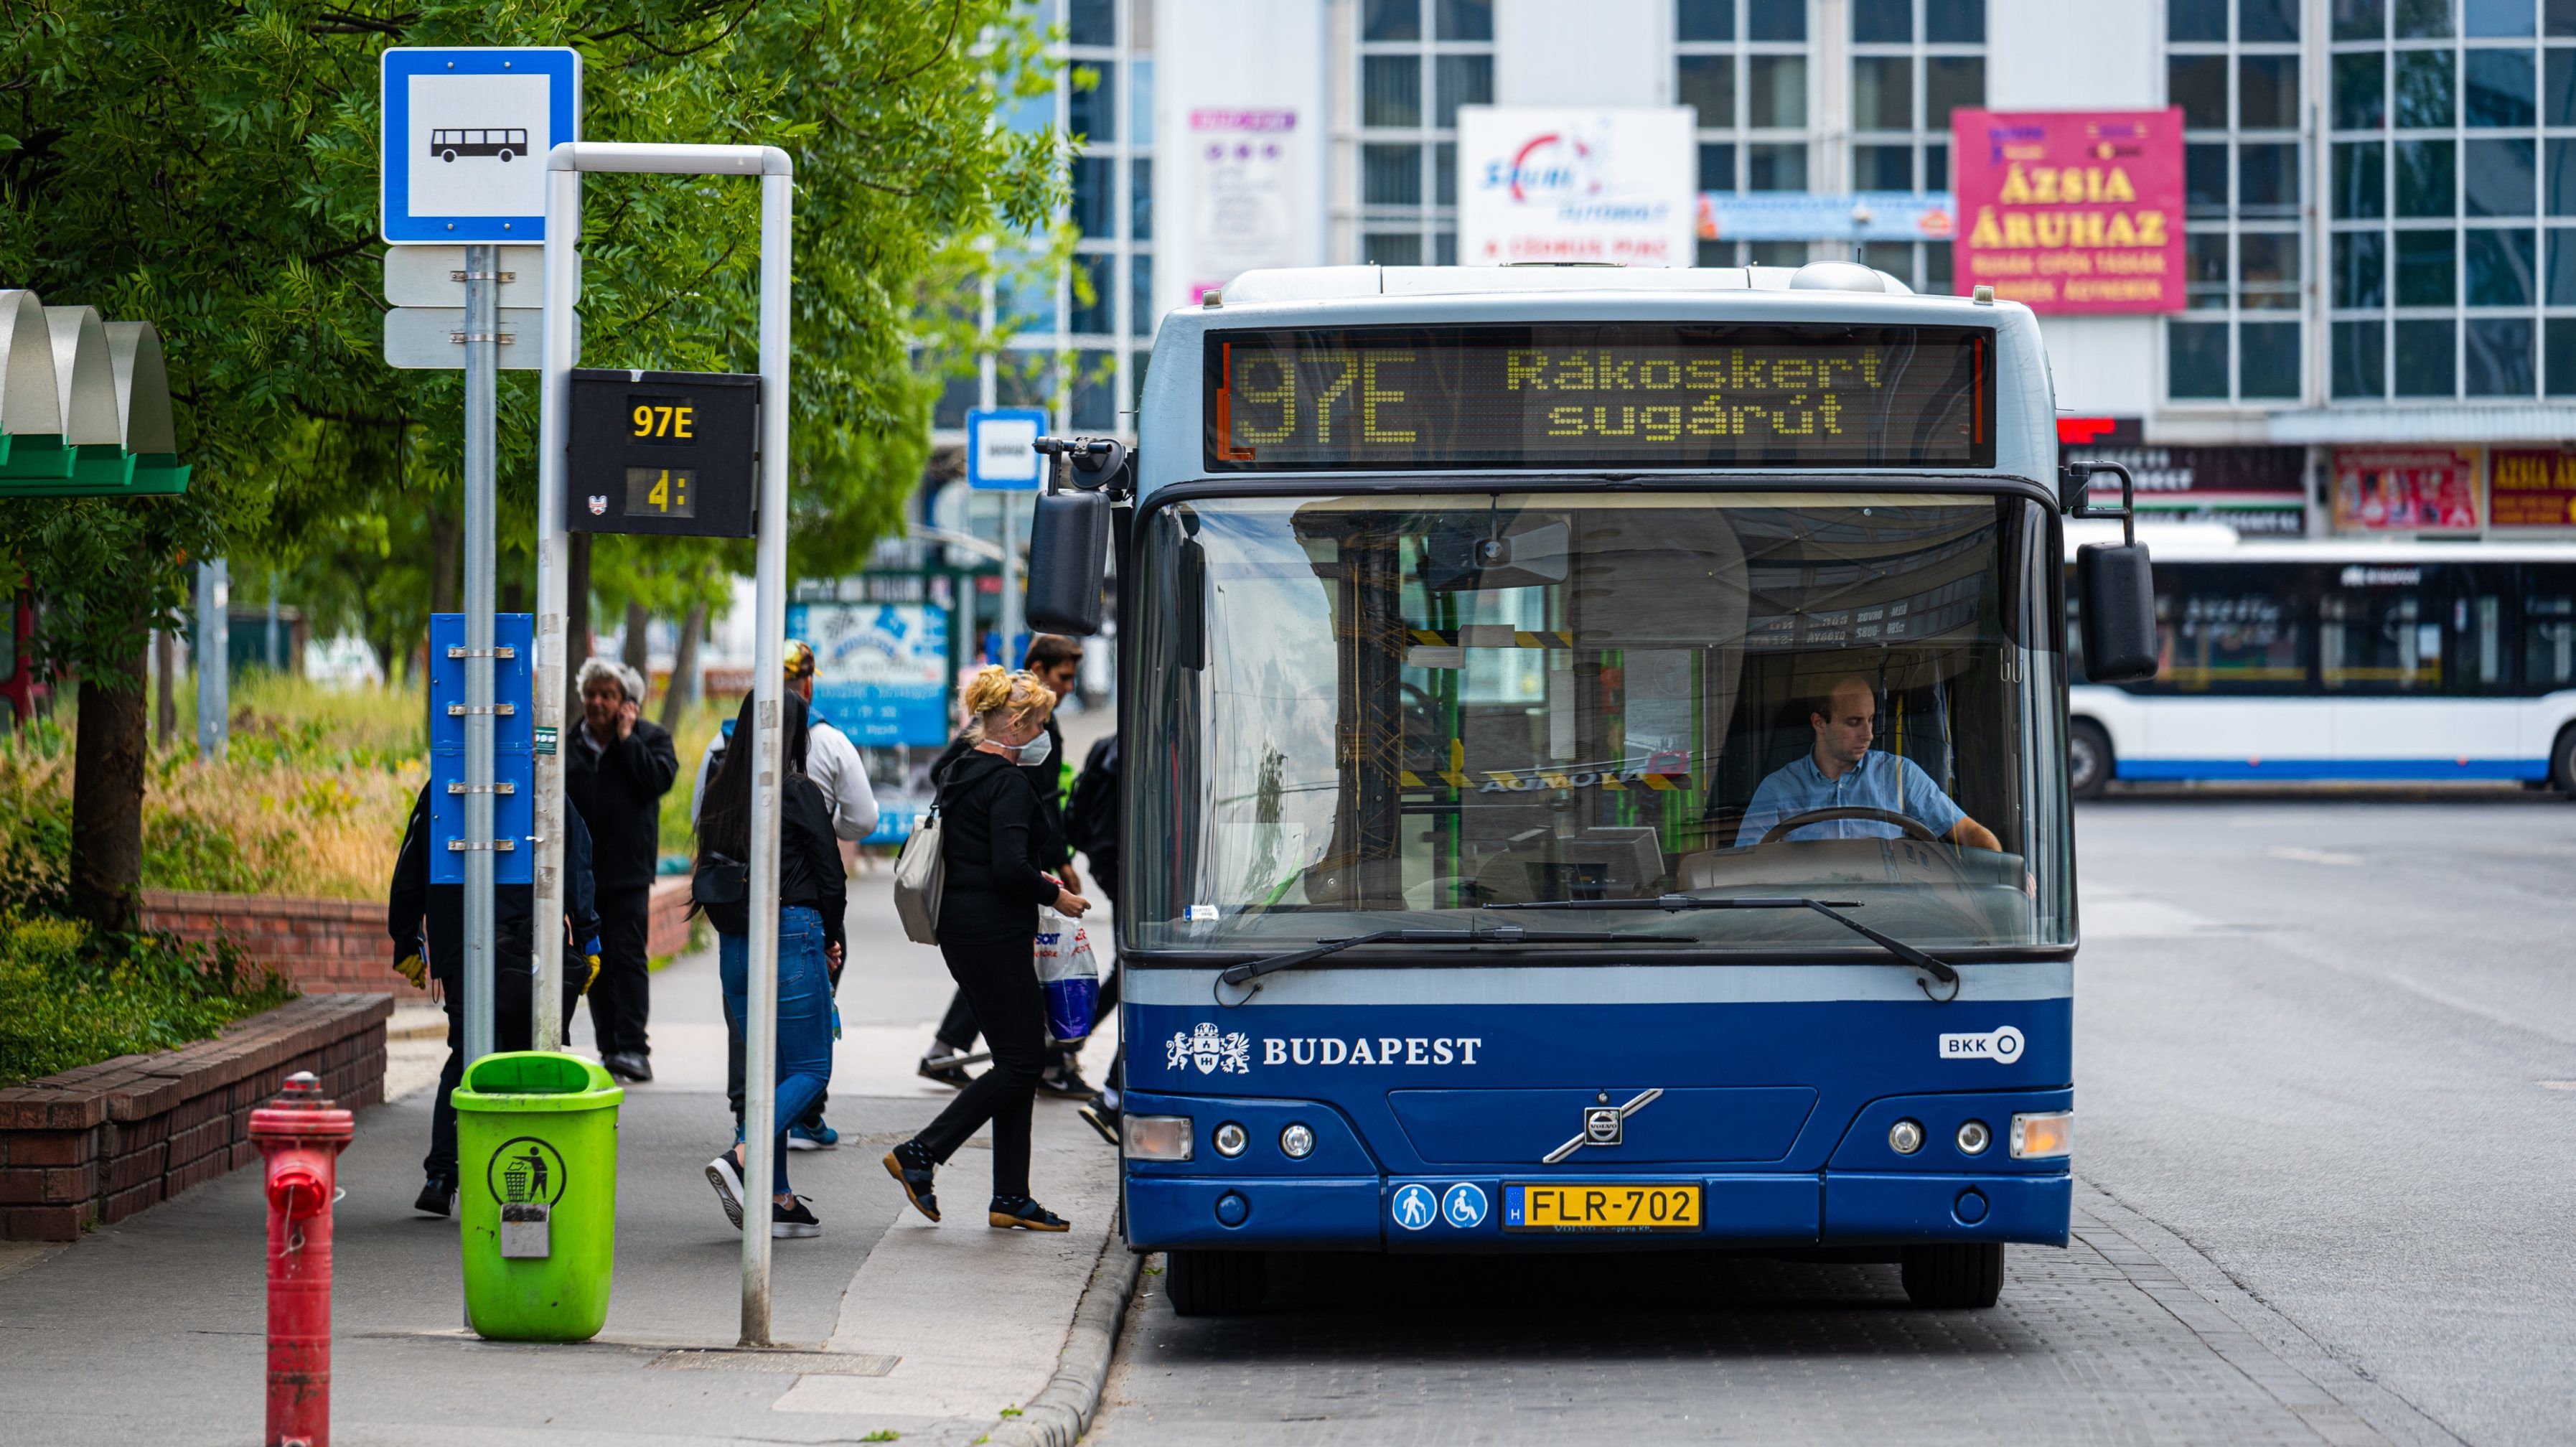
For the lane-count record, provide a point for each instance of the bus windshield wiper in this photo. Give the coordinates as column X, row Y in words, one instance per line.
column 1510, row 934
column 1831, row 909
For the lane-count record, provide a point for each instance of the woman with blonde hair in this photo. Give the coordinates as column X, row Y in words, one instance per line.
column 988, row 925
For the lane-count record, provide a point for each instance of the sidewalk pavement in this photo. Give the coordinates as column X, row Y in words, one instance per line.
column 153, row 1329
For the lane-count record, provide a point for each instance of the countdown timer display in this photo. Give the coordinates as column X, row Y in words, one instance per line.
column 1584, row 396
column 663, row 452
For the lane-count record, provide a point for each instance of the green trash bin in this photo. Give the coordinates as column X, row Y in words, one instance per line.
column 536, row 1155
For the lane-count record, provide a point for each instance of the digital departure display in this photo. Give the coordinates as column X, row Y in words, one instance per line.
column 1586, row 395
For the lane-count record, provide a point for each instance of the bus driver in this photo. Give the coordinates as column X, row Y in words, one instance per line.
column 1842, row 772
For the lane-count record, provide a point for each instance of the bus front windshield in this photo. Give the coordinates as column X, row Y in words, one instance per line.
column 1385, row 711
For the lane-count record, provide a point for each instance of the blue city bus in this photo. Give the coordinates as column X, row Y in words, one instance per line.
column 1488, row 889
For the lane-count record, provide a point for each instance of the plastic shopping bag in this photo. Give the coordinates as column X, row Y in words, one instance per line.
column 1068, row 974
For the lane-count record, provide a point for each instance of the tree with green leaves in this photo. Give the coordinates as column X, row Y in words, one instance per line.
column 214, row 169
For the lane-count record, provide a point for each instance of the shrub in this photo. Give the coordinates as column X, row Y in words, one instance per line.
column 70, row 995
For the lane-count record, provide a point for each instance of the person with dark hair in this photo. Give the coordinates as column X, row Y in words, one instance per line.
column 988, row 926
column 1056, row 662
column 617, row 766
column 427, row 922
column 812, row 900
column 1841, row 771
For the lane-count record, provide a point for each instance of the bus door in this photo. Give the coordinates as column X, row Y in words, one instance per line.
column 2384, row 635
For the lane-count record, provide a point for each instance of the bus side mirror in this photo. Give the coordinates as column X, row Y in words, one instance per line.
column 1069, row 537
column 2114, row 584
column 1068, row 561
column 2119, row 596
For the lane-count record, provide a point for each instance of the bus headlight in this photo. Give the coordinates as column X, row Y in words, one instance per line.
column 2043, row 1134
column 1230, row 1140
column 1298, row 1141
column 1905, row 1137
column 1156, row 1137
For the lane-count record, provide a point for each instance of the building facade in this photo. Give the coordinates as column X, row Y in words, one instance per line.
column 2380, row 221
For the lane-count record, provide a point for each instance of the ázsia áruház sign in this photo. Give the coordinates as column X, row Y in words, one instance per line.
column 2072, row 211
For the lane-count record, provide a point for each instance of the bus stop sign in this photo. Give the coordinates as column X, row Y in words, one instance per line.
column 674, row 453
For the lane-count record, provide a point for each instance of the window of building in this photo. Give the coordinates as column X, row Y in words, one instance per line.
column 2473, row 105
column 1912, row 63
column 1741, row 65
column 1419, row 61
column 2233, row 66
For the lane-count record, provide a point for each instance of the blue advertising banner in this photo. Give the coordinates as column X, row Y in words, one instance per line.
column 880, row 669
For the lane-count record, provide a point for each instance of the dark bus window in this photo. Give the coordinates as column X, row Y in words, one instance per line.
column 2231, row 628
column 2481, row 659
column 2548, row 628
column 2376, row 632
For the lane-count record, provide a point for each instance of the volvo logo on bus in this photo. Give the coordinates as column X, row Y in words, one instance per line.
column 1601, row 1125
column 1604, row 1125
column 2000, row 1046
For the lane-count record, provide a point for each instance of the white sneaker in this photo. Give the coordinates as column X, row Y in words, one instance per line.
column 726, row 1177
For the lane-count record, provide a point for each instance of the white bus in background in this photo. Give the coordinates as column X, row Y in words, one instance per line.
column 2376, row 661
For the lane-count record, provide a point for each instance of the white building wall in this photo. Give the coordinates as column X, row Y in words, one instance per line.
column 2085, row 55
column 1598, row 53
column 1269, row 56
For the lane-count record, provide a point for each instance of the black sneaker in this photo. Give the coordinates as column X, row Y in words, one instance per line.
column 911, row 1167
column 437, row 1196
column 1102, row 1119
column 792, row 1222
column 1021, row 1213
column 937, row 1068
column 1066, row 1083
column 628, row 1065
column 726, row 1177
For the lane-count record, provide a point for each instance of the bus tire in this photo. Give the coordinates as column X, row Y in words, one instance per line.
column 1968, row 1276
column 2089, row 761
column 1216, row 1283
column 2562, row 761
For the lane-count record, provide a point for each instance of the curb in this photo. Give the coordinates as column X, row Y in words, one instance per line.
column 1059, row 1414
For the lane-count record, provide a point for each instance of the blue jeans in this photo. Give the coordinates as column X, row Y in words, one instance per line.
column 804, row 1017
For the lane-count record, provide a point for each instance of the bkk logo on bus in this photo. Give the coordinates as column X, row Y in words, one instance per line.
column 1230, row 1052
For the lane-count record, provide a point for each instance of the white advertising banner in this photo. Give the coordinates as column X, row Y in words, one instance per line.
column 1248, row 185
column 1576, row 185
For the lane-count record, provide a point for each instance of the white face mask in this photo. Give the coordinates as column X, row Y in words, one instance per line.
column 1035, row 752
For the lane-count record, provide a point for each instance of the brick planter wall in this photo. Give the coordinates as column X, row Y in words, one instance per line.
column 339, row 946
column 97, row 1144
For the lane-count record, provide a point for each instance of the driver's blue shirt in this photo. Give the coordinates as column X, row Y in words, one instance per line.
column 1880, row 781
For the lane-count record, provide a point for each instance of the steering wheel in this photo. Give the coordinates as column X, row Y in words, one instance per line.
column 1907, row 822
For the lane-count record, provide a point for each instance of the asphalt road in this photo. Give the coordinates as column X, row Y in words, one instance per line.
column 2326, row 1066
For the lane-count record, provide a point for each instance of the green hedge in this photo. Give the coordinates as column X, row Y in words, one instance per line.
column 70, row 995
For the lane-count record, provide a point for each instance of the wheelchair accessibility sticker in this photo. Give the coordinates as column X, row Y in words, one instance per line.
column 1414, row 1206
column 1464, row 1206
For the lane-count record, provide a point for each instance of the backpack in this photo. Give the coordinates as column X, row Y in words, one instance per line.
column 1091, row 813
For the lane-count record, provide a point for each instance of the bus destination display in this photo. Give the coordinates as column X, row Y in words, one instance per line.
column 1579, row 396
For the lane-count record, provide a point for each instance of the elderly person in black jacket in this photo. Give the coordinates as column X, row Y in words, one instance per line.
column 992, row 821
column 618, row 765
column 427, row 922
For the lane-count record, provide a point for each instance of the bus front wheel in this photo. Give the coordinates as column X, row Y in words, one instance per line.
column 2562, row 761
column 2089, row 763
column 1215, row 1283
column 448, row 156
column 1966, row 1276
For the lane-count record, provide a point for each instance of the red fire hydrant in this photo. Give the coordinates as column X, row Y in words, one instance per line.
column 302, row 1134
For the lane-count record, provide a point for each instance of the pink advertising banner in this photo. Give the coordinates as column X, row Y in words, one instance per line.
column 2071, row 211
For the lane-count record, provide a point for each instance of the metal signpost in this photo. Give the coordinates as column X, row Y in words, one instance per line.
column 456, row 123
column 560, row 431
column 1002, row 456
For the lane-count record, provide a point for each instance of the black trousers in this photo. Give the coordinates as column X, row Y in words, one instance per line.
column 957, row 1029
column 622, row 999
column 510, row 1031
column 997, row 981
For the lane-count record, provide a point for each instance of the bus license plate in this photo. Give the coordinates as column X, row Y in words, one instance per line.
column 1652, row 1206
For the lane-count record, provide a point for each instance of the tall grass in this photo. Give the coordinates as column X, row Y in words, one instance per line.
column 309, row 801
